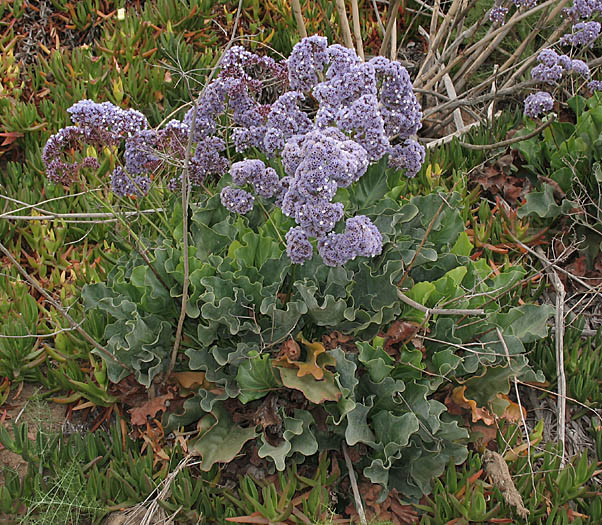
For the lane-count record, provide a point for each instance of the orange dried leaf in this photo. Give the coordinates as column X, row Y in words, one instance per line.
column 478, row 413
column 149, row 409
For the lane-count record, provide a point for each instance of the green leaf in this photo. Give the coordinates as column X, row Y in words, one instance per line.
column 376, row 360
column 527, row 322
column 358, row 429
column 543, row 204
column 256, row 378
column 222, row 439
column 314, row 390
column 371, row 187
column 296, row 437
column 463, row 246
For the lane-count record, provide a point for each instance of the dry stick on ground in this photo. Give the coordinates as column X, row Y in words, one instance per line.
column 438, row 311
column 393, row 9
column 504, row 143
column 354, row 487
column 299, row 18
column 451, row 136
column 74, row 324
column 167, row 482
column 186, row 197
column 559, row 346
column 357, row 30
column 477, row 47
column 340, row 5
column 520, row 407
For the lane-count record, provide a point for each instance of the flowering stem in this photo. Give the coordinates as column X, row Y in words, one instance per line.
column 186, row 198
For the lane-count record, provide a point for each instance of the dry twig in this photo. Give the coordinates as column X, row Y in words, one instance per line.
column 356, row 493
column 299, row 18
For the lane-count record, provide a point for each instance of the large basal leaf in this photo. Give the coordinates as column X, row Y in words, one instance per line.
column 221, row 439
column 314, row 390
column 296, row 437
column 256, row 378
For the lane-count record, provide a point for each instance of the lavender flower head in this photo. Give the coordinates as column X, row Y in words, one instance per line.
column 237, row 200
column 265, row 180
column 582, row 9
column 95, row 124
column 408, row 156
column 594, row 85
column 124, row 186
column 106, row 123
column 584, row 34
column 298, row 247
column 363, row 236
column 498, row 14
column 306, row 62
column 538, row 103
column 579, row 67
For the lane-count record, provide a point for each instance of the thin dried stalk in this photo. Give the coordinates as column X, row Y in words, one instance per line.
column 438, row 311
column 357, row 30
column 450, row 137
column 340, row 5
column 299, row 18
column 559, row 346
column 393, row 54
column 186, row 200
column 393, row 9
column 378, row 18
column 356, row 493
column 505, row 143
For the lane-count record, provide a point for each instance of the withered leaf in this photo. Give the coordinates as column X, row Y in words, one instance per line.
column 149, row 409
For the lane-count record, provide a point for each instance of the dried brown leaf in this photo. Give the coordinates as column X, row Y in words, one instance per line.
column 149, row 409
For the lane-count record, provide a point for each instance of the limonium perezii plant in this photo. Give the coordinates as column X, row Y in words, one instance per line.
column 332, row 116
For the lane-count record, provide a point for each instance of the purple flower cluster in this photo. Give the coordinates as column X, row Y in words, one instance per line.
column 538, row 103
column 584, row 34
column 553, row 66
column 525, row 3
column 306, row 63
column 498, row 14
column 582, row 9
column 237, row 200
column 361, row 106
column 124, row 186
column 95, row 124
column 595, row 85
column 106, row 123
column 298, row 247
column 360, row 238
column 408, row 156
column 265, row 180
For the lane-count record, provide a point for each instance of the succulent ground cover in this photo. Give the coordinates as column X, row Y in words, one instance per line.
column 345, row 278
